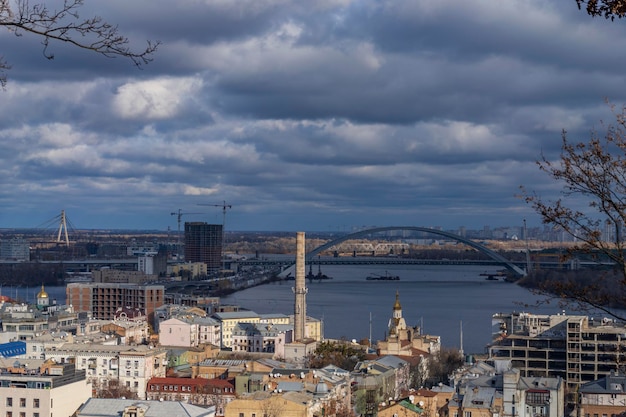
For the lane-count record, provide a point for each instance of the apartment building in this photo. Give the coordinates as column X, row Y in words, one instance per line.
column 189, row 330
column 194, row 269
column 209, row 330
column 22, row 322
column 229, row 320
column 507, row 394
column 387, row 378
column 104, row 299
column 198, row 391
column 576, row 348
column 133, row 366
column 178, row 332
column 35, row 388
column 261, row 337
column 604, row 397
column 305, row 394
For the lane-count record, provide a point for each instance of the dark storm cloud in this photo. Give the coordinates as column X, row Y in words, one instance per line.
column 304, row 115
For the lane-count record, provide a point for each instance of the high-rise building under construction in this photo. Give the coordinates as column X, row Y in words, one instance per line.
column 203, row 243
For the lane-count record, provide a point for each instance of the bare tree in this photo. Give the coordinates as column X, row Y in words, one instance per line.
column 113, row 388
column 594, row 175
column 609, row 9
column 272, row 407
column 65, row 25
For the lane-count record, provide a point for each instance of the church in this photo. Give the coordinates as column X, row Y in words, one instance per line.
column 43, row 299
column 402, row 340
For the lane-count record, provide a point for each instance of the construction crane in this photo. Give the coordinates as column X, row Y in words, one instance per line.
column 179, row 215
column 224, row 207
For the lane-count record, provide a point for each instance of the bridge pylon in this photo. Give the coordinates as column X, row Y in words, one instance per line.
column 63, row 229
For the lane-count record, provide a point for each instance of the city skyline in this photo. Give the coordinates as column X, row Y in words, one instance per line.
column 317, row 116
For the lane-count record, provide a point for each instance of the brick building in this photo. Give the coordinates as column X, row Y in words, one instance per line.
column 103, row 299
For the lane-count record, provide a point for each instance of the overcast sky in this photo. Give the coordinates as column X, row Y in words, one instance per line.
column 311, row 116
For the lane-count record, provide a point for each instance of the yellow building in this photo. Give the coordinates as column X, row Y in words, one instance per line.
column 229, row 320
column 265, row 404
column 404, row 408
column 195, row 269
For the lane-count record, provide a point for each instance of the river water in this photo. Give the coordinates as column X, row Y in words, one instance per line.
column 442, row 300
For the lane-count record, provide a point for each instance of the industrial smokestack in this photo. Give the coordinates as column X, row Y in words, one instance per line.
column 300, row 290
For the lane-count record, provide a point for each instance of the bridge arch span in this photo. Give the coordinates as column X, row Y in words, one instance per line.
column 481, row 248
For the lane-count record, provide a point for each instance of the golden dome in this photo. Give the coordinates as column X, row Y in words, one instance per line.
column 396, row 305
column 42, row 293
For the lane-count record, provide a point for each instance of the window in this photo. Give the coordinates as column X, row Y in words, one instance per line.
column 9, row 414
column 36, row 403
column 537, row 397
column 467, row 414
column 22, row 414
column 35, row 414
column 240, row 414
column 136, row 384
column 22, row 402
column 9, row 402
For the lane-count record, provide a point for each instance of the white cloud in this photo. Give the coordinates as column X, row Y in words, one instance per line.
column 160, row 98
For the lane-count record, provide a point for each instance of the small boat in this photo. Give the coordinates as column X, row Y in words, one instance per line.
column 386, row 277
column 493, row 276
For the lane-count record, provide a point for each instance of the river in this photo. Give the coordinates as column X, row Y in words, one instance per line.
column 440, row 299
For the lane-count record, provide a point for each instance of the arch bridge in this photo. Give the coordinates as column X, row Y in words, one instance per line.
column 510, row 266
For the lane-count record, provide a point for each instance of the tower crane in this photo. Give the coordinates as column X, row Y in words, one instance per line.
column 224, row 207
column 179, row 215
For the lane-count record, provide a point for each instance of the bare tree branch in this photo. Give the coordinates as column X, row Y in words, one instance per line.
column 66, row 25
column 593, row 172
column 609, row 9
